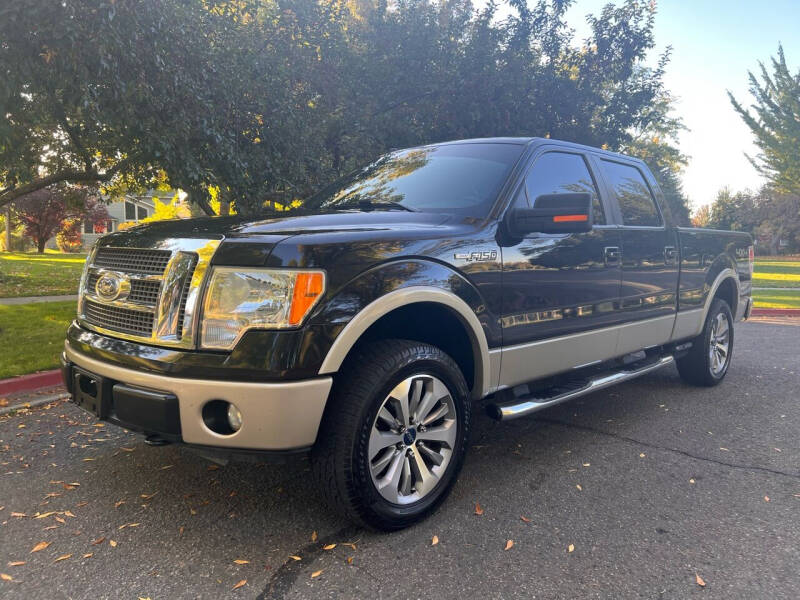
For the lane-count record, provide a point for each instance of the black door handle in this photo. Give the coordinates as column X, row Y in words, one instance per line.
column 670, row 254
column 612, row 256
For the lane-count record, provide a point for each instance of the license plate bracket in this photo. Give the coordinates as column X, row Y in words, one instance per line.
column 91, row 392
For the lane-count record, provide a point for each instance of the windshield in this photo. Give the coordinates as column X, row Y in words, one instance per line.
column 457, row 178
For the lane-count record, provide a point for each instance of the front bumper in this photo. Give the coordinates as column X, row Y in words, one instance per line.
column 275, row 416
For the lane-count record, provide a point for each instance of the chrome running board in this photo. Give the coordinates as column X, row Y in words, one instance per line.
column 528, row 404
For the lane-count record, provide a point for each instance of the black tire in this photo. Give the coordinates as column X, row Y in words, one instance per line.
column 340, row 457
column 697, row 367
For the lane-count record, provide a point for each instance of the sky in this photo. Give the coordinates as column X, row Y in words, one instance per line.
column 714, row 44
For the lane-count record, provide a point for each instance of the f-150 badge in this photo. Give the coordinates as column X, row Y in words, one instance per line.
column 484, row 256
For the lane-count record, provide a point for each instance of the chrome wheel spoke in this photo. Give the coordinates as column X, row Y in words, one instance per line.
column 382, row 439
column 433, row 456
column 405, row 477
column 424, row 479
column 389, row 483
column 417, row 387
column 378, row 465
column 444, row 433
column 388, row 418
column 437, row 414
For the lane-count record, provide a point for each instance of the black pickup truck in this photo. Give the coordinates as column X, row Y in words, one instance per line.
column 363, row 326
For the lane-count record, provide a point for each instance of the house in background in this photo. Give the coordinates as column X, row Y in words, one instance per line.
column 126, row 209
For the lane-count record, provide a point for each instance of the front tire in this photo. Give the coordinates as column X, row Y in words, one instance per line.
column 394, row 434
column 708, row 360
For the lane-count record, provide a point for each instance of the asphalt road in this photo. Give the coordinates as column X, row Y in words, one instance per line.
column 651, row 483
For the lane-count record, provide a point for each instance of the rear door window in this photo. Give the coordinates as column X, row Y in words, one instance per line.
column 635, row 199
column 563, row 173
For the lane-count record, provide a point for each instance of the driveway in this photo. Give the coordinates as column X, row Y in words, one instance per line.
column 632, row 492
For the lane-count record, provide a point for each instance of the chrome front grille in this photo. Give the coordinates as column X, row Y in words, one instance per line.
column 143, row 291
column 152, row 262
column 124, row 320
column 145, row 294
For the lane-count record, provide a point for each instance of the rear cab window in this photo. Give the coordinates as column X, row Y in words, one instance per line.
column 560, row 173
column 635, row 199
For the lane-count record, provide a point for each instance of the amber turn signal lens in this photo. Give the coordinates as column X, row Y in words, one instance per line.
column 307, row 288
column 570, row 218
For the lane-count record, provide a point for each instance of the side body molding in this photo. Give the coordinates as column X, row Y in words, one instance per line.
column 403, row 297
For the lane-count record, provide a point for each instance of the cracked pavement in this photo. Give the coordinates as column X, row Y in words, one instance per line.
column 652, row 482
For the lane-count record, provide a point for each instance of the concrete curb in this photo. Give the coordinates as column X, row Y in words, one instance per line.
column 775, row 312
column 30, row 383
column 31, row 403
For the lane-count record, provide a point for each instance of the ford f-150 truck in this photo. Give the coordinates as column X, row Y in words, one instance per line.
column 363, row 326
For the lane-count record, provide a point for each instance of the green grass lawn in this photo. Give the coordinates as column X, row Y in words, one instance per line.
column 32, row 336
column 30, row 274
column 777, row 298
column 773, row 272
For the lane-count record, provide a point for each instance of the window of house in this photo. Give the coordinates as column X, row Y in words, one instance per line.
column 563, row 173
column 635, row 199
column 130, row 211
column 142, row 212
column 88, row 227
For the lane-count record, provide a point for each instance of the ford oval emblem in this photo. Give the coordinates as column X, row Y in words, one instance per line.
column 108, row 286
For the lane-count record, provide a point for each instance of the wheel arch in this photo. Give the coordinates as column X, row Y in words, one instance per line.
column 408, row 312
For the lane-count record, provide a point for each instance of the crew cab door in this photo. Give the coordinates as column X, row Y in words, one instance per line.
column 555, row 285
column 648, row 301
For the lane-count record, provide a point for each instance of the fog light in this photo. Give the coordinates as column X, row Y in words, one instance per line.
column 234, row 417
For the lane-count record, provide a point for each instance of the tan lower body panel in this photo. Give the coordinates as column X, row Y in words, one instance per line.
column 527, row 362
column 275, row 416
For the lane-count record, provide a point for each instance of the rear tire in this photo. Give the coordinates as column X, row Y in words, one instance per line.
column 708, row 360
column 394, row 434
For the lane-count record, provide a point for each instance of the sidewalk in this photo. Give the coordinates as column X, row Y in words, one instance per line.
column 35, row 299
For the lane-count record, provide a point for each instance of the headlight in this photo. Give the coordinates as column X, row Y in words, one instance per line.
column 240, row 299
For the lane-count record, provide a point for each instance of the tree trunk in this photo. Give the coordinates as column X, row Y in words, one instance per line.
column 8, row 228
column 40, row 245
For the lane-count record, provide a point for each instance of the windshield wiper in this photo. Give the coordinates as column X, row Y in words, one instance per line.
column 370, row 205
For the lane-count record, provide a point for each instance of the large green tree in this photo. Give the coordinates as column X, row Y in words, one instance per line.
column 266, row 100
column 774, row 119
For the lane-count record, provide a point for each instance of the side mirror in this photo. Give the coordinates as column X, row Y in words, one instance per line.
column 552, row 213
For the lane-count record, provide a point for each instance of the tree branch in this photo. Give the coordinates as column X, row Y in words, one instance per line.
column 10, row 194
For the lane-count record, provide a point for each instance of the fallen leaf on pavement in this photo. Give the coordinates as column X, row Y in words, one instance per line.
column 98, row 541
column 642, row 455
column 766, row 498
column 329, row 547
column 434, row 540
column 40, row 546
column 5, row 577
column 18, row 514
column 699, row 580
column 509, row 544
column 88, row 555
column 349, row 560
column 241, row 561
column 316, row 573
column 478, row 509
column 294, row 557
column 313, row 536
column 240, row 584
column 43, row 515
column 62, row 557
column 578, row 485
column 571, row 548
column 525, row 519
column 129, row 525
column 119, row 503
column 16, row 563
column 587, row 464
column 691, row 480
column 113, row 543
column 148, row 496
